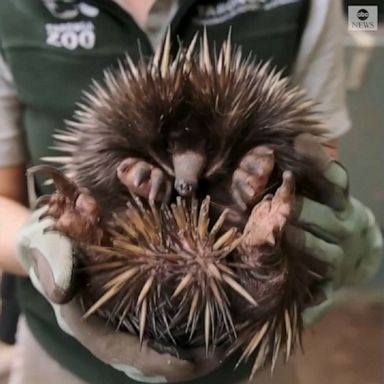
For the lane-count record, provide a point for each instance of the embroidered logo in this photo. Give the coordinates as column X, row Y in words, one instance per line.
column 69, row 9
column 71, row 35
column 219, row 13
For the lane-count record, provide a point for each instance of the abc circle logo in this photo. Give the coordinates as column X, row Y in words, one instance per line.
column 362, row 14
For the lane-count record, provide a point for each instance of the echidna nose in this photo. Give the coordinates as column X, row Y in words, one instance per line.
column 183, row 188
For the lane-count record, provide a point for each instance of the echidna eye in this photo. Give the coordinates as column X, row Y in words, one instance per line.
column 171, row 147
column 210, row 146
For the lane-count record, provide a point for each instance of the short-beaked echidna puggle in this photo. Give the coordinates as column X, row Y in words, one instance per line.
column 198, row 270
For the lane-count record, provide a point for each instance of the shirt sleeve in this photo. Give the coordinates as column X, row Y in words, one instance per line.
column 319, row 67
column 12, row 143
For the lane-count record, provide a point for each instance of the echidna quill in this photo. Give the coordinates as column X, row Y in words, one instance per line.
column 176, row 242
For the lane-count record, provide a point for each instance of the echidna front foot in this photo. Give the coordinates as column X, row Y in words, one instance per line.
column 250, row 179
column 144, row 179
column 275, row 327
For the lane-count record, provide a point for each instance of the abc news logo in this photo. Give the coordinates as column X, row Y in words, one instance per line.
column 362, row 18
column 363, row 14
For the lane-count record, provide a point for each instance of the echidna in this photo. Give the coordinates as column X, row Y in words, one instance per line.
column 174, row 265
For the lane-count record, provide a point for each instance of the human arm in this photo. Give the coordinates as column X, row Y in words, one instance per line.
column 13, row 194
column 13, row 214
column 319, row 67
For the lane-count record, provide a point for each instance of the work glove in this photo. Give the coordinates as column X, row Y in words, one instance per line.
column 337, row 229
column 49, row 260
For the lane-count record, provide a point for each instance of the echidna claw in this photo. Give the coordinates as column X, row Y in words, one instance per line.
column 44, row 215
column 238, row 199
column 143, row 179
column 287, row 188
column 51, row 228
column 269, row 217
column 62, row 183
column 157, row 182
column 141, row 173
column 168, row 192
column 269, row 196
column 56, row 206
column 42, row 200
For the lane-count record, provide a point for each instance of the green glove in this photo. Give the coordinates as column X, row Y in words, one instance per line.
column 48, row 258
column 339, row 230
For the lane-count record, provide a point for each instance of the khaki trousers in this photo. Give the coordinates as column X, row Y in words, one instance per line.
column 32, row 365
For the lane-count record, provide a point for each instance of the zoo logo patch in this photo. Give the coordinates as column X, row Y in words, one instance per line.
column 70, row 35
column 219, row 13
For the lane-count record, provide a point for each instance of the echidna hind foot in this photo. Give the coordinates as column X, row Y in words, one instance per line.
column 76, row 212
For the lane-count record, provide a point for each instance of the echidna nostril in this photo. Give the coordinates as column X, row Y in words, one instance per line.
column 183, row 188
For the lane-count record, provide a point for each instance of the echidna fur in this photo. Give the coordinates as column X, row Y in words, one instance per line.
column 223, row 105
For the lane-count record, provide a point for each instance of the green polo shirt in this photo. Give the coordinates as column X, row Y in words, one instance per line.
column 55, row 48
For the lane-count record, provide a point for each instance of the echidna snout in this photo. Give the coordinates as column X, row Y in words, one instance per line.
column 188, row 167
column 184, row 188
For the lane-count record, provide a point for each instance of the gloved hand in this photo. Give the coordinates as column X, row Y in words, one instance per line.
column 339, row 229
column 50, row 263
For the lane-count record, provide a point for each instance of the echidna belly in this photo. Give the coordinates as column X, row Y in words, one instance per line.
column 167, row 275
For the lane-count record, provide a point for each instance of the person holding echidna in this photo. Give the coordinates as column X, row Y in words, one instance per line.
column 197, row 222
